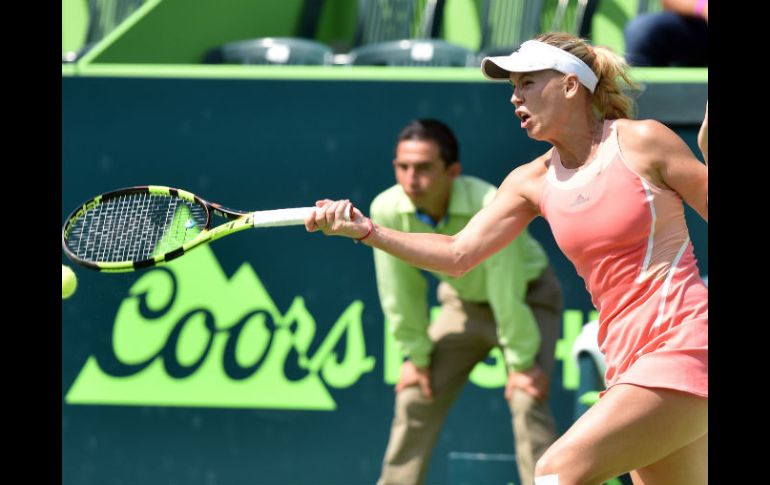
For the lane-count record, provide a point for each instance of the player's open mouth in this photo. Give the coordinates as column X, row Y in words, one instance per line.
column 524, row 117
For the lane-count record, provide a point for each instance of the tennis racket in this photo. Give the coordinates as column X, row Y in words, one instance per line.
column 144, row 226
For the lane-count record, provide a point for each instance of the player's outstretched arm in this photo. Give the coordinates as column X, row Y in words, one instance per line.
column 486, row 233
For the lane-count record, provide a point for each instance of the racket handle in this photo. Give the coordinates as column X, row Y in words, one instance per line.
column 288, row 217
column 282, row 217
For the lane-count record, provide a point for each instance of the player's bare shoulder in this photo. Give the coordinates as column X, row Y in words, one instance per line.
column 527, row 180
column 646, row 145
column 641, row 134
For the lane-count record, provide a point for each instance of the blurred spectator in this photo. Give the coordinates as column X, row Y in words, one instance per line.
column 676, row 37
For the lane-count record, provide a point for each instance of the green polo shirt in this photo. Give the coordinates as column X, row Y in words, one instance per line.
column 501, row 280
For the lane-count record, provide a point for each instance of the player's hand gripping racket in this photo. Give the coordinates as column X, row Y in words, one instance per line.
column 139, row 227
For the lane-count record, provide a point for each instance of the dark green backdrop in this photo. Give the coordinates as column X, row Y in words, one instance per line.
column 260, row 144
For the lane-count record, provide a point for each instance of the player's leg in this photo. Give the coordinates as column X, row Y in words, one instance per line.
column 655, row 431
column 687, row 465
column 417, row 420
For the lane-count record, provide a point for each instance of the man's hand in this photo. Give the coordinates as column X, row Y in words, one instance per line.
column 411, row 375
column 533, row 381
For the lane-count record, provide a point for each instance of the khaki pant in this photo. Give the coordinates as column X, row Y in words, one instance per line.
column 463, row 335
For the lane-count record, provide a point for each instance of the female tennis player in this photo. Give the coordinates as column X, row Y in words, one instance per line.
column 612, row 190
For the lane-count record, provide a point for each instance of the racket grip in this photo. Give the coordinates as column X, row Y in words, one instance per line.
column 282, row 217
column 288, row 217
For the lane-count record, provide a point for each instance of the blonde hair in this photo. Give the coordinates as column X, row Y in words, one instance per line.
column 608, row 99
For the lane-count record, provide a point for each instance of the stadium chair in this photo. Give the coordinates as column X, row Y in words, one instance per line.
column 416, row 53
column 391, row 20
column 506, row 24
column 591, row 365
column 298, row 50
column 574, row 17
column 401, row 33
column 271, row 50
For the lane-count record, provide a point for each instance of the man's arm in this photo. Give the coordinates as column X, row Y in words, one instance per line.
column 404, row 300
column 506, row 289
column 517, row 329
column 403, row 292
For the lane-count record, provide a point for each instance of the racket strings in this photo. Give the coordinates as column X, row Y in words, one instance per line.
column 135, row 227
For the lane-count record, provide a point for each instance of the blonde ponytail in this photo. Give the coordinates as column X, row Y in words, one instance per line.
column 608, row 99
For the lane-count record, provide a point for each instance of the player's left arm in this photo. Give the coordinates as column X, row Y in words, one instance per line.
column 670, row 163
column 703, row 136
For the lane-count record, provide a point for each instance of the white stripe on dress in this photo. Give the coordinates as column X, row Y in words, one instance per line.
column 648, row 256
column 667, row 283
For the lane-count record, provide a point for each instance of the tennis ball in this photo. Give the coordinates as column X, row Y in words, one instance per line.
column 68, row 282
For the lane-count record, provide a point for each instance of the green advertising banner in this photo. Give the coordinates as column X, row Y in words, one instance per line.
column 262, row 358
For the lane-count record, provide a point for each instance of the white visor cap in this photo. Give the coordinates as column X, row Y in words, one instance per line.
column 534, row 55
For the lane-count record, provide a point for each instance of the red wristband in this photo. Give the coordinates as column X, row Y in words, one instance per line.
column 368, row 233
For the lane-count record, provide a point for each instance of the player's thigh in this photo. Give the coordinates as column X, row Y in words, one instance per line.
column 688, row 465
column 629, row 428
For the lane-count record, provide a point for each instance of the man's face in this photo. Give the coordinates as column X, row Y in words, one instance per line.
column 423, row 175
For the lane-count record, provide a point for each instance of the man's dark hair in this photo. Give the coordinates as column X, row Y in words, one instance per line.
column 435, row 131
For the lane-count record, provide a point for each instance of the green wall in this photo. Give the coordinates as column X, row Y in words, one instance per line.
column 74, row 24
column 608, row 22
column 181, row 31
column 461, row 25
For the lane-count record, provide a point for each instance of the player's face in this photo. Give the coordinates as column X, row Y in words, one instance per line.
column 536, row 96
column 422, row 173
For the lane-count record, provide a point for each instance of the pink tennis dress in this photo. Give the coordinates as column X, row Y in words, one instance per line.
column 629, row 242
